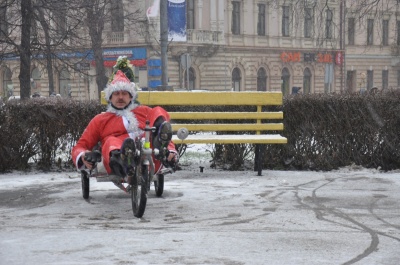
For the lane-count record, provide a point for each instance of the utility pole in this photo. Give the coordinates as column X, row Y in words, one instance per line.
column 342, row 44
column 164, row 42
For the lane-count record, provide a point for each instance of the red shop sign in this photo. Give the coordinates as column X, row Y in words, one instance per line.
column 339, row 58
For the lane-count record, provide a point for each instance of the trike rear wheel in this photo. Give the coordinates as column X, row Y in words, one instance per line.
column 139, row 192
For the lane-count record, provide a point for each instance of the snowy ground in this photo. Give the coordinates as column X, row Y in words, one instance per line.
column 350, row 216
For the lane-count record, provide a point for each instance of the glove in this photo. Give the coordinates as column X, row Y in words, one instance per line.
column 93, row 157
column 174, row 162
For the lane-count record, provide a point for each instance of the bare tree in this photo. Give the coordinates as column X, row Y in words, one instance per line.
column 58, row 30
column 98, row 14
column 29, row 30
column 48, row 28
column 18, row 42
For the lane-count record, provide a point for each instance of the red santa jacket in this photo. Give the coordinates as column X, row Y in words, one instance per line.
column 111, row 128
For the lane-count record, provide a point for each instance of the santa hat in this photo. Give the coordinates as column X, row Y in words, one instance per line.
column 120, row 83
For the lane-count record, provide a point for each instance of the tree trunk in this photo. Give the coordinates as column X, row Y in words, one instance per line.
column 25, row 49
column 48, row 52
column 101, row 78
column 96, row 25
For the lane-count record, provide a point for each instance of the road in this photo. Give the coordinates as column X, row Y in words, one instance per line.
column 351, row 216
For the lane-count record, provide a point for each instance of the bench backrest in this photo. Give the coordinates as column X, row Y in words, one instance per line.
column 190, row 98
column 196, row 98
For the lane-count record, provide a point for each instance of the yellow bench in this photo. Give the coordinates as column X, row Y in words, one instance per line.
column 258, row 122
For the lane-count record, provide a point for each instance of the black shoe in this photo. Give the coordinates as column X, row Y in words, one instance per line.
column 164, row 136
column 116, row 164
column 128, row 152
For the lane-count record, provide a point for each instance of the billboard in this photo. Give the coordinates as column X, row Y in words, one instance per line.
column 177, row 20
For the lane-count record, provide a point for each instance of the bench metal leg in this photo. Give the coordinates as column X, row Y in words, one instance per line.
column 258, row 159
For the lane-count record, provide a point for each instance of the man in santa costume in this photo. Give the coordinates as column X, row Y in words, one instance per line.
column 117, row 128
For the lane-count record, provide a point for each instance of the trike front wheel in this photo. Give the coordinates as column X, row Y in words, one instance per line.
column 139, row 192
column 159, row 185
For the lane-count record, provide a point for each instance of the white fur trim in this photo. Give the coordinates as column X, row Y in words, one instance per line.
column 120, row 86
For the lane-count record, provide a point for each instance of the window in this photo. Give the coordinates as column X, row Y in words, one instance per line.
column 285, row 81
column 370, row 79
column 64, row 83
column 117, row 14
column 192, row 79
column 35, row 80
column 350, row 81
column 261, row 80
column 398, row 78
column 351, row 30
column 190, row 14
column 261, row 20
column 370, row 31
column 385, row 32
column 61, row 19
column 385, row 79
column 34, row 35
column 398, row 32
column 285, row 21
column 308, row 22
column 307, row 81
column 236, row 18
column 3, row 22
column 7, row 83
column 329, row 24
column 328, row 79
column 236, row 78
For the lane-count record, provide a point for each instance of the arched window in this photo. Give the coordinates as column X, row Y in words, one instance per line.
column 285, row 81
column 192, row 79
column 236, row 78
column 35, row 81
column 8, row 89
column 261, row 80
column 64, row 83
column 307, row 81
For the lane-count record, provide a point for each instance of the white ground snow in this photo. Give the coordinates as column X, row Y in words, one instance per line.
column 349, row 216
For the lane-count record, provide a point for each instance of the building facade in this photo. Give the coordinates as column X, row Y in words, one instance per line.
column 242, row 45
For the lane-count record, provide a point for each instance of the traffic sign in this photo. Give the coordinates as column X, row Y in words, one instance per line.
column 82, row 66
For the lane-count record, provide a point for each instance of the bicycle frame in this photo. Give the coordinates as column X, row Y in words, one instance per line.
column 141, row 176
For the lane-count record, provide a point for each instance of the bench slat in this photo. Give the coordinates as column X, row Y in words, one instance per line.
column 226, row 115
column 231, row 139
column 210, row 98
column 242, row 127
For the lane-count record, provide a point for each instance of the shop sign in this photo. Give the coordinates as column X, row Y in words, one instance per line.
column 339, row 58
column 112, row 54
column 290, row 57
column 309, row 57
column 324, row 58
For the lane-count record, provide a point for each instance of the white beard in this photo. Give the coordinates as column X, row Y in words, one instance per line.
column 129, row 119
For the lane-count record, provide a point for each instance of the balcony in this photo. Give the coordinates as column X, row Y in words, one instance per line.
column 115, row 37
column 197, row 36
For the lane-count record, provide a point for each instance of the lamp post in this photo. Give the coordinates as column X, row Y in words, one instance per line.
column 342, row 42
column 164, row 42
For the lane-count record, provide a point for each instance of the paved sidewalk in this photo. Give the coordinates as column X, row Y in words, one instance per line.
column 215, row 217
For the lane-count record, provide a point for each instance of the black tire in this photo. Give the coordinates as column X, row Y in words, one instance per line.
column 139, row 192
column 159, row 185
column 85, row 184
